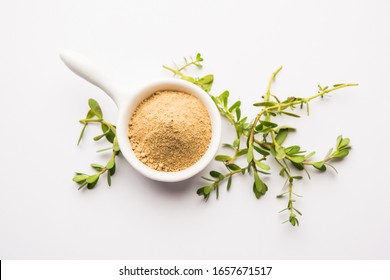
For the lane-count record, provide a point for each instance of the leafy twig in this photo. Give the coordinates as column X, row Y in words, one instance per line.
column 95, row 115
column 205, row 82
column 264, row 139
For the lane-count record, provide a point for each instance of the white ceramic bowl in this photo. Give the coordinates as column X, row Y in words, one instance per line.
column 127, row 101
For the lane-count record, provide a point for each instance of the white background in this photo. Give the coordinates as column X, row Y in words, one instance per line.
column 110, row 269
column 42, row 215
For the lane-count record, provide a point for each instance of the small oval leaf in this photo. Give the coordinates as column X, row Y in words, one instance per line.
column 93, row 178
column 95, row 108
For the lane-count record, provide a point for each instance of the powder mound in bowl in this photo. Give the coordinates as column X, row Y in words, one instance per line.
column 170, row 130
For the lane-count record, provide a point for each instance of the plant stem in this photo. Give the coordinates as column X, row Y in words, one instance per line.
column 227, row 175
column 178, row 71
column 290, row 200
column 268, row 93
column 272, row 79
column 323, row 92
column 90, row 120
column 282, row 106
column 290, row 180
column 174, row 71
column 186, row 65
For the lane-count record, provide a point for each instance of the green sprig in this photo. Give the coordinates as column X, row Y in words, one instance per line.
column 204, row 82
column 95, row 115
column 264, row 139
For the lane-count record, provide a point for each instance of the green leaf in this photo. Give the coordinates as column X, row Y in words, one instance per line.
column 249, row 157
column 344, row 143
column 310, row 155
column 234, row 106
column 297, row 159
column 292, row 150
column 308, row 107
column 200, row 191
column 91, row 185
column 112, row 170
column 242, row 152
column 297, row 177
column 236, row 142
column 224, row 98
column 82, row 185
column 334, row 168
column 227, row 145
column 257, row 193
column 223, row 158
column 268, row 124
column 215, row 99
column 263, row 172
column 280, row 152
column 338, row 141
column 97, row 167
column 319, row 165
column 115, row 146
column 280, row 196
column 199, row 57
column 298, row 166
column 238, row 113
column 260, row 128
column 260, row 186
column 206, row 82
column 82, row 133
column 109, row 179
column 207, row 179
column 111, row 163
column 216, row 174
column 103, row 150
column 93, row 178
column 205, row 191
column 329, row 153
column 340, row 154
column 262, row 165
column 229, row 183
column 296, row 210
column 110, row 135
column 90, row 115
column 261, row 150
column 265, row 104
column 96, row 138
column 233, row 167
column 95, row 108
column 284, row 127
column 290, row 114
column 80, row 178
column 281, row 136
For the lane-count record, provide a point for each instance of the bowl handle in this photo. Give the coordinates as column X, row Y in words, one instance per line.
column 86, row 69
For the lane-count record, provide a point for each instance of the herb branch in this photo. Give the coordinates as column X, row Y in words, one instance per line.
column 264, row 139
column 204, row 82
column 95, row 115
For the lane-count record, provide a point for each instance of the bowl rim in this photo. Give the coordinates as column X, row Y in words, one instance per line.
column 131, row 103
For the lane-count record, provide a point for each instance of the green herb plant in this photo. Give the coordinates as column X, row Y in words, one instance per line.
column 257, row 140
column 95, row 115
column 262, row 138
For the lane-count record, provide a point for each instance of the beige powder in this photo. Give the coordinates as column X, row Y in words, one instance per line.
column 170, row 130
